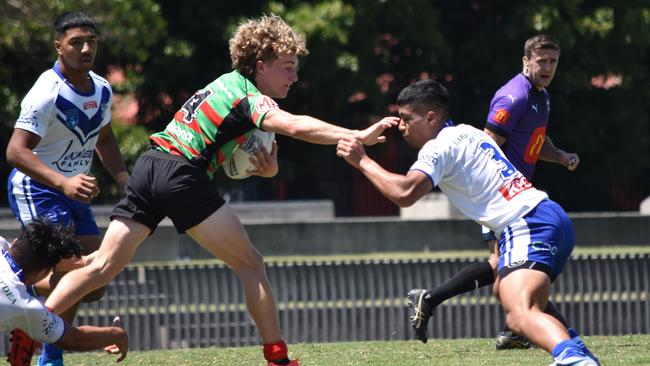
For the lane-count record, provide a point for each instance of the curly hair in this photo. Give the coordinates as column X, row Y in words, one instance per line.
column 41, row 245
column 263, row 39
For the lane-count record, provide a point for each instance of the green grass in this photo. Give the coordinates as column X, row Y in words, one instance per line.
column 619, row 350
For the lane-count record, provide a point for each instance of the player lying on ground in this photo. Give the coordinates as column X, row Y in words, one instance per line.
column 36, row 251
column 535, row 235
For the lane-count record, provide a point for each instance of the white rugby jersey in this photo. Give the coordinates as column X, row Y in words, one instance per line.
column 473, row 172
column 67, row 121
column 19, row 309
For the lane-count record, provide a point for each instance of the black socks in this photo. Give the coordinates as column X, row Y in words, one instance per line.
column 470, row 278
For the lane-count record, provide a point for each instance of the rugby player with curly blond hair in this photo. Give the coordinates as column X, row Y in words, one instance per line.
column 201, row 136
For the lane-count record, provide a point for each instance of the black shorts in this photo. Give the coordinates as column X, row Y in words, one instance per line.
column 527, row 265
column 165, row 185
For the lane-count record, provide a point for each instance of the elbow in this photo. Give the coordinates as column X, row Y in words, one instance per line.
column 404, row 200
column 11, row 155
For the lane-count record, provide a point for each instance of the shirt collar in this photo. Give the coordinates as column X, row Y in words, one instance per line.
column 14, row 266
column 448, row 123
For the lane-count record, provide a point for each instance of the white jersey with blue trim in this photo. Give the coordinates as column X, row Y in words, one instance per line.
column 19, row 309
column 472, row 171
column 67, row 121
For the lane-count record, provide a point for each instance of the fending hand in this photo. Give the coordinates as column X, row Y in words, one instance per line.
column 373, row 134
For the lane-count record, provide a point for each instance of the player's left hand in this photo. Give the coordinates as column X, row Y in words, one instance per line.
column 266, row 164
column 121, row 347
column 373, row 134
column 569, row 160
column 351, row 150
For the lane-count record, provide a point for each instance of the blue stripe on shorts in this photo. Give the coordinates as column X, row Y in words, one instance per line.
column 30, row 199
column 545, row 235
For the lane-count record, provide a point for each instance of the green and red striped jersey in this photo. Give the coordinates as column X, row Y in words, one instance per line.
column 214, row 121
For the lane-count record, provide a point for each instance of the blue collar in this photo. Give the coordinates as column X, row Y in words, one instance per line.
column 448, row 123
column 56, row 68
column 14, row 266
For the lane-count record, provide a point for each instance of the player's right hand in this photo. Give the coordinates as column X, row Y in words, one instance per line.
column 81, row 187
column 351, row 150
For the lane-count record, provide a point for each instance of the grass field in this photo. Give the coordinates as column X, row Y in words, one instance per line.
column 620, row 350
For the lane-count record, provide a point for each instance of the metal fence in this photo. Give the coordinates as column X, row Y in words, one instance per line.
column 187, row 305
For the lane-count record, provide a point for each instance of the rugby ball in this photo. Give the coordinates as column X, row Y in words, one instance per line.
column 239, row 163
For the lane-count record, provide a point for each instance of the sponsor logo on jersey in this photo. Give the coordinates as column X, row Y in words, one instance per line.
column 90, row 104
column 265, row 104
column 181, row 133
column 7, row 291
column 50, row 323
column 531, row 154
column 224, row 89
column 431, row 159
column 514, row 187
column 72, row 160
column 29, row 117
column 534, row 107
column 501, row 116
column 544, row 247
column 71, row 118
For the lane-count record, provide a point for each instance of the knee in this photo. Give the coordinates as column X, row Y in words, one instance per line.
column 95, row 295
column 250, row 265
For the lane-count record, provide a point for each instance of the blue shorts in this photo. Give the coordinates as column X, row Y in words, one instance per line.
column 30, row 199
column 543, row 239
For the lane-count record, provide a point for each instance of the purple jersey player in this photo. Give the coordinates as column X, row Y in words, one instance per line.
column 519, row 115
column 519, row 111
column 517, row 121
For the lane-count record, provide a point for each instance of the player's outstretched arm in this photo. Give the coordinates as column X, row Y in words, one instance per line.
column 315, row 131
column 403, row 190
column 89, row 338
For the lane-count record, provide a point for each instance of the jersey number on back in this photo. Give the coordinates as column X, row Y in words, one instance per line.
column 505, row 167
column 192, row 105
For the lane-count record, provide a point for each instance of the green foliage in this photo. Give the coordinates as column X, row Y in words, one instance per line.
column 361, row 54
column 127, row 28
